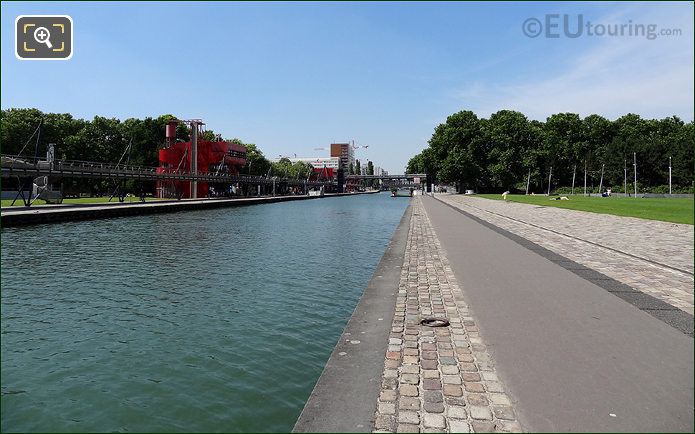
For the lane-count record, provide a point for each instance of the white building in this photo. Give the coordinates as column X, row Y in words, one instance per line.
column 317, row 162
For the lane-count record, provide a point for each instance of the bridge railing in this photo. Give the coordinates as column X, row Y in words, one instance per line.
column 12, row 165
column 404, row 176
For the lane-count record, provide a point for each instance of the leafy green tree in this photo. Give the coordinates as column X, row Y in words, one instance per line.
column 256, row 163
column 208, row 135
column 18, row 125
column 564, row 142
column 681, row 153
column 631, row 131
column 598, row 133
column 415, row 164
column 282, row 168
column 301, row 170
column 147, row 137
column 508, row 138
column 358, row 169
column 453, row 151
column 459, row 141
column 502, row 152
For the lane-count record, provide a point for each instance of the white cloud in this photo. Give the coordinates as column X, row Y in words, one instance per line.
column 617, row 75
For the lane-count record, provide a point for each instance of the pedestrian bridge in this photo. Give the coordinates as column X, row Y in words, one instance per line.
column 413, row 177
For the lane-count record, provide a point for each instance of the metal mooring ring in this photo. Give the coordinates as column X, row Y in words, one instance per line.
column 435, row 322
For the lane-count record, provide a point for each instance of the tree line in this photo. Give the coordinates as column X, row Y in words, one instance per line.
column 103, row 139
column 507, row 151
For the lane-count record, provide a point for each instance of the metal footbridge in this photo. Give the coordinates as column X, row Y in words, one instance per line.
column 28, row 167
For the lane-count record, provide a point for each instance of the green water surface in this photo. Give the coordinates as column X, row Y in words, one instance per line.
column 215, row 321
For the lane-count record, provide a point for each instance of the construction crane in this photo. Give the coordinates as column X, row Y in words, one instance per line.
column 353, row 147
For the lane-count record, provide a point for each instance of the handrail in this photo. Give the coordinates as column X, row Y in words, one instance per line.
column 13, row 164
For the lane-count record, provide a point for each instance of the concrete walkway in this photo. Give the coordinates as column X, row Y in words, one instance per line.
column 344, row 397
column 572, row 356
column 653, row 257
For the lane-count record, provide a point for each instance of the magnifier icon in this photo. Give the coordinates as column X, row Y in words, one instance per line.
column 42, row 36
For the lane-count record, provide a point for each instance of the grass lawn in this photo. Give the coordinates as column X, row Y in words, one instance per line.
column 668, row 210
column 7, row 202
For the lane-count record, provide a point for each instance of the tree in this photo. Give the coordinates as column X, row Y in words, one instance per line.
column 256, row 163
column 370, row 168
column 598, row 134
column 358, row 169
column 452, row 150
column 301, row 170
column 681, row 151
column 501, row 152
column 282, row 168
column 415, row 164
column 564, row 143
column 18, row 125
column 208, row 135
column 508, row 138
column 459, row 139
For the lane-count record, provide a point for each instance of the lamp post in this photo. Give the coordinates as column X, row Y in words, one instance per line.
column 625, row 182
column 550, row 177
column 669, row 175
column 634, row 154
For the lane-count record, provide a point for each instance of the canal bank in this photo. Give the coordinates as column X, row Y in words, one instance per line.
column 344, row 397
column 63, row 213
column 389, row 372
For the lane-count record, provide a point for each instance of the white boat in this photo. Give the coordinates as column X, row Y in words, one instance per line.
column 317, row 193
column 402, row 192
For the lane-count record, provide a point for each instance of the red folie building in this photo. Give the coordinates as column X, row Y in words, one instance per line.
column 212, row 157
column 322, row 174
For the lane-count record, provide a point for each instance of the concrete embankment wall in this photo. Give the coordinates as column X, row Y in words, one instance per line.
column 345, row 396
column 63, row 213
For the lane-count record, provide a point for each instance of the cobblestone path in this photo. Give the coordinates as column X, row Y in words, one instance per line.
column 437, row 379
column 626, row 249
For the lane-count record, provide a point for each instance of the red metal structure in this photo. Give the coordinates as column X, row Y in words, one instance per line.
column 322, row 174
column 212, row 157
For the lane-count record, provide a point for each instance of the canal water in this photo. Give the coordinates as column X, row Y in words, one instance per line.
column 212, row 321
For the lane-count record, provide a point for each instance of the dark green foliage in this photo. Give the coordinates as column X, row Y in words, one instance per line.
column 101, row 139
column 256, row 163
column 284, row 168
column 499, row 153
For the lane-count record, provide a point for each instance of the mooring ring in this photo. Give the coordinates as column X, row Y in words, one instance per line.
column 435, row 322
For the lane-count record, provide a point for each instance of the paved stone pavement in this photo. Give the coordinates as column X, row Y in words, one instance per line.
column 650, row 256
column 437, row 379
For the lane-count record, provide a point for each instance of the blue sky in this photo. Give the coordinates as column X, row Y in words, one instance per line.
column 292, row 77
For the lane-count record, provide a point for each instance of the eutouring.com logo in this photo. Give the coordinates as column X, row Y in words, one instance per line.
column 575, row 26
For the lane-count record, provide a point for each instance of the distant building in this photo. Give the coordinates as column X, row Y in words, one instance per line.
column 378, row 171
column 345, row 152
column 317, row 162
